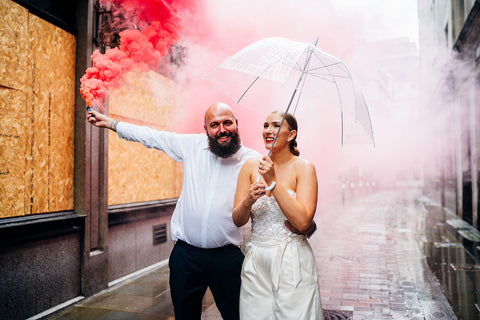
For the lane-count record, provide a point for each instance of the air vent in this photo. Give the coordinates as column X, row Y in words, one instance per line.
column 159, row 234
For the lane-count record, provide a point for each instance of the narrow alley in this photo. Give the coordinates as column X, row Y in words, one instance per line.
column 380, row 257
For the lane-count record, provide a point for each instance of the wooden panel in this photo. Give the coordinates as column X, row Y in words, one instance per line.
column 37, row 88
column 14, row 137
column 13, row 45
column 12, row 148
column 146, row 97
column 135, row 173
column 53, row 109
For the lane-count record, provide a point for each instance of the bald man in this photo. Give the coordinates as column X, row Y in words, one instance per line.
column 206, row 251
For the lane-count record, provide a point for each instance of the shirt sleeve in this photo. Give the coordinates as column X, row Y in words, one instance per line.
column 173, row 144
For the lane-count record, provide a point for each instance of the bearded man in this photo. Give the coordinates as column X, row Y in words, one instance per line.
column 206, row 252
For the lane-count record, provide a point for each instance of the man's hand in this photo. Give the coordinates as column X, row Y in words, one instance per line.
column 308, row 233
column 100, row 120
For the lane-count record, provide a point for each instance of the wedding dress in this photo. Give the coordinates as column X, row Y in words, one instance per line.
column 279, row 274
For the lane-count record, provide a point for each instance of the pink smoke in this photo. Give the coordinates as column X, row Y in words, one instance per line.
column 212, row 30
column 158, row 27
column 351, row 35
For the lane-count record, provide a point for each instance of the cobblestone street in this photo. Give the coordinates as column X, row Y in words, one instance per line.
column 369, row 260
column 370, row 264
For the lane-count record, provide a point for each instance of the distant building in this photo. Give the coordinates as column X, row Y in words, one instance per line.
column 450, row 43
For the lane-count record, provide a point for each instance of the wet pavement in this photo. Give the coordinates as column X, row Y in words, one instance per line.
column 389, row 255
column 452, row 251
column 370, row 262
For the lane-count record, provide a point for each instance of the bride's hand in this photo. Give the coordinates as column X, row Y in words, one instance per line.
column 257, row 189
column 267, row 170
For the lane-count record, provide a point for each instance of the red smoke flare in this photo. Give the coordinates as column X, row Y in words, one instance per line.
column 159, row 27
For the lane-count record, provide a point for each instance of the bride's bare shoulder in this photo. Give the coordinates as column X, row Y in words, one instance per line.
column 252, row 162
column 304, row 166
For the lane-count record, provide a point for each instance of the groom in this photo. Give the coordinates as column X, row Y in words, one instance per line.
column 206, row 251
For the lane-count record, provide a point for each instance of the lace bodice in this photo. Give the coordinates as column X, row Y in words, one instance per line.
column 267, row 217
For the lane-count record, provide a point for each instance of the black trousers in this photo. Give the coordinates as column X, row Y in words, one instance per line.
column 194, row 269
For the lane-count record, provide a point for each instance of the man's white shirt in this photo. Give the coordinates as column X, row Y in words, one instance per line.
column 203, row 214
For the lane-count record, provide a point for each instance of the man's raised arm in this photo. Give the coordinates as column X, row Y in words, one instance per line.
column 100, row 120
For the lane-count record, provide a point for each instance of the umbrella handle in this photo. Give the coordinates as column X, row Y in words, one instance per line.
column 270, row 187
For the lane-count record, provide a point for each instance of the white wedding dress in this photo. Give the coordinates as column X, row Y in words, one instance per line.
column 279, row 274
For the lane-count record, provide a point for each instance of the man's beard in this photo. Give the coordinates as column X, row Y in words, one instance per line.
column 224, row 151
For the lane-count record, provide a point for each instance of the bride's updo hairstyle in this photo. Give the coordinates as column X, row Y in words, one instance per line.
column 292, row 125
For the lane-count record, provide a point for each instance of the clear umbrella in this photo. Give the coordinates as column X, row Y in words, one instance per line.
column 291, row 63
column 280, row 60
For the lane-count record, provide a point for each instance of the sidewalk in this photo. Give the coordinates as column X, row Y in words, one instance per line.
column 371, row 263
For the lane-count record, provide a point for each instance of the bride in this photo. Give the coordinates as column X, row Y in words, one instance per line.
column 279, row 276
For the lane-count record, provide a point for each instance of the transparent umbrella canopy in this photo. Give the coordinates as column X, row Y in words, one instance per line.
column 298, row 67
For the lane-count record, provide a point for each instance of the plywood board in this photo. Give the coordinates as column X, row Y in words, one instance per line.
column 12, row 149
column 14, row 136
column 147, row 98
column 13, row 45
column 135, row 173
column 37, row 87
column 53, row 110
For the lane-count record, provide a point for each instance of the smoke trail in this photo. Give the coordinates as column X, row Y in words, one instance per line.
column 149, row 31
column 211, row 30
column 230, row 25
column 386, row 71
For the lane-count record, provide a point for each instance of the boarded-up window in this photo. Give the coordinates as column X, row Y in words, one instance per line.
column 135, row 173
column 37, row 102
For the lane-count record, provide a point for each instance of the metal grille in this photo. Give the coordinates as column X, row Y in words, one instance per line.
column 159, row 234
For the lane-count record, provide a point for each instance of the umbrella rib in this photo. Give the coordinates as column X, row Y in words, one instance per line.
column 324, row 67
column 339, row 97
column 304, row 72
column 299, row 67
column 245, row 92
column 300, row 94
column 341, row 117
column 257, row 77
column 326, row 76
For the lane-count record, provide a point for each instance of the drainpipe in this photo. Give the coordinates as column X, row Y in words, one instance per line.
column 457, row 125
column 458, row 168
column 473, row 156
